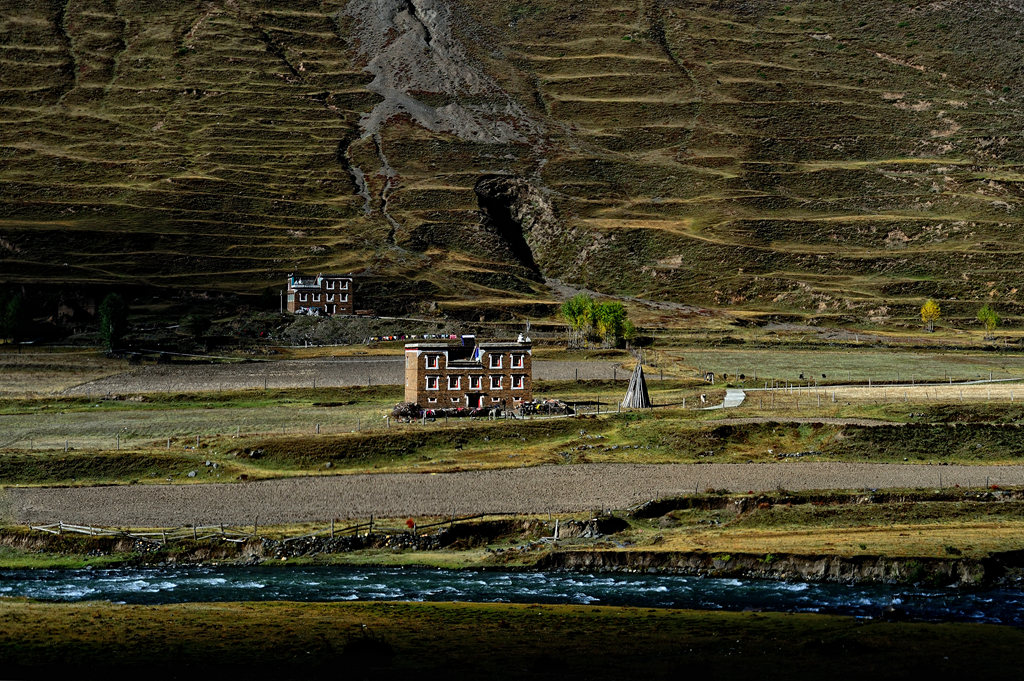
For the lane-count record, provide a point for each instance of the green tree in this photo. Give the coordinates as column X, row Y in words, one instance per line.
column 113, row 320
column 609, row 319
column 629, row 332
column 930, row 313
column 578, row 311
column 13, row 319
column 989, row 318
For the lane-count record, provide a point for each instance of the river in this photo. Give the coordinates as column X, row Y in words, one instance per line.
column 291, row 583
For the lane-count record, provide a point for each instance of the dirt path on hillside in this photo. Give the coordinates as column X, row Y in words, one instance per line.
column 542, row 489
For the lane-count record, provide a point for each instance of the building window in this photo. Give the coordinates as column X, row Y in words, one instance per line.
column 316, row 297
column 303, row 297
column 494, row 399
column 456, row 400
column 343, row 285
column 330, row 285
column 474, row 382
column 495, row 382
column 431, row 382
column 517, row 382
column 432, row 400
column 517, row 361
column 454, row 382
column 431, row 360
column 330, row 298
column 495, row 361
column 344, row 297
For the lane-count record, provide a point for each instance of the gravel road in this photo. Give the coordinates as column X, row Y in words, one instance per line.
column 519, row 490
column 301, row 373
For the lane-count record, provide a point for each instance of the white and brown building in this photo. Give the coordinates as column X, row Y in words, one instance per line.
column 324, row 293
column 467, row 374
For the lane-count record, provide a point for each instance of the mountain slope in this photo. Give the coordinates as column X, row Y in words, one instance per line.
column 816, row 157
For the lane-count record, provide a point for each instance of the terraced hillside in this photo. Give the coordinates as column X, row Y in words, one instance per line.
column 833, row 159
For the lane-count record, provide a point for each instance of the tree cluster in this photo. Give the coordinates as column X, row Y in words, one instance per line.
column 113, row 320
column 602, row 323
column 13, row 318
column 930, row 313
column 989, row 319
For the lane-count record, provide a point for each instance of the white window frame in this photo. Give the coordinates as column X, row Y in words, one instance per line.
column 436, row 380
column 456, row 400
column 495, row 399
column 476, row 382
column 498, row 380
column 433, row 364
column 432, row 400
column 344, row 297
column 330, row 298
column 517, row 361
column 520, row 380
column 316, row 297
column 303, row 297
column 458, row 382
column 491, row 361
column 343, row 284
column 330, row 284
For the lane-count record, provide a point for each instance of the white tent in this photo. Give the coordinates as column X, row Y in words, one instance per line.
column 636, row 394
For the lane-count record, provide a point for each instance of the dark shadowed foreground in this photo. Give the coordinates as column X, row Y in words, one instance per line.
column 284, row 640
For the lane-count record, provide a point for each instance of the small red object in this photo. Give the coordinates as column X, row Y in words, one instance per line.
column 410, row 523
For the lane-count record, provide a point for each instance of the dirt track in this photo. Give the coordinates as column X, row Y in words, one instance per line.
column 518, row 490
column 302, row 373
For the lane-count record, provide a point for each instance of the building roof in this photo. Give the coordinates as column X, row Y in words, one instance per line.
column 311, row 281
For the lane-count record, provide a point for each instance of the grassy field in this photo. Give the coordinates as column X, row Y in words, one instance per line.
column 438, row 640
column 257, row 434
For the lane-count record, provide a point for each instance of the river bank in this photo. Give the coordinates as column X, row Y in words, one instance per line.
column 518, row 545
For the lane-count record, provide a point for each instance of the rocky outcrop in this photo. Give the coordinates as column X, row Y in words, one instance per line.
column 521, row 216
column 423, row 71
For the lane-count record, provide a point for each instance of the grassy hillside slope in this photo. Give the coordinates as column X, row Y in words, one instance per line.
column 833, row 159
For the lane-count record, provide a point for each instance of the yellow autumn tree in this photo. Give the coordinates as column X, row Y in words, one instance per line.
column 930, row 313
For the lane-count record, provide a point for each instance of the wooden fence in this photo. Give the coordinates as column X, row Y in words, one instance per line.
column 237, row 535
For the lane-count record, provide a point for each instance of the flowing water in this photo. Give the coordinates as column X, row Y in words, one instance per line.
column 196, row 584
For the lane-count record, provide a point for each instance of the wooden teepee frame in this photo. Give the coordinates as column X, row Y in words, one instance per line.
column 636, row 394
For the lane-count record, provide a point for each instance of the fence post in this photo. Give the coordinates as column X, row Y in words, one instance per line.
column 255, row 525
column 118, row 439
column 332, row 528
column 195, row 535
column 197, row 442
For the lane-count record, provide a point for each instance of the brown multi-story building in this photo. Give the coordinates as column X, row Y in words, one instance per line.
column 325, row 293
column 468, row 374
